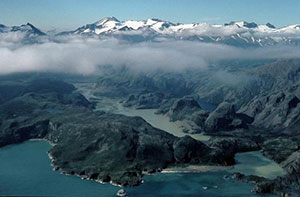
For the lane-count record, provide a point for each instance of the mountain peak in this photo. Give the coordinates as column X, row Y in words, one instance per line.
column 107, row 19
column 156, row 20
column 152, row 21
column 35, row 30
column 270, row 26
column 242, row 24
column 28, row 28
column 161, row 23
column 235, row 33
column 297, row 26
column 30, row 25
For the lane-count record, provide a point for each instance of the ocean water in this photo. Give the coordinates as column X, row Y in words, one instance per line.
column 25, row 170
column 210, row 184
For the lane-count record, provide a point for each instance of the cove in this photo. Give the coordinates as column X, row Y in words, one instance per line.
column 25, row 170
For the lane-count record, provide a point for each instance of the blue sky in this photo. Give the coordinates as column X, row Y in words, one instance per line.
column 70, row 14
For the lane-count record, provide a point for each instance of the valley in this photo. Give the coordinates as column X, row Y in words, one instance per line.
column 102, row 135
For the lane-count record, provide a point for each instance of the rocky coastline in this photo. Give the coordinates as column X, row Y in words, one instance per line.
column 92, row 144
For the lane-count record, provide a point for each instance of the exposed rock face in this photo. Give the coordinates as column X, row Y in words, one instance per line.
column 279, row 149
column 280, row 186
column 145, row 100
column 262, row 185
column 196, row 120
column 225, row 118
column 267, row 77
column 188, row 112
column 292, row 163
column 274, row 111
column 190, row 150
column 234, row 145
column 183, row 109
column 249, row 178
column 199, row 119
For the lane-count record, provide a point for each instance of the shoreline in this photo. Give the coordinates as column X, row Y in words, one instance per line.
column 40, row 139
column 196, row 169
column 82, row 177
column 179, row 125
column 188, row 169
column 175, row 170
column 192, row 169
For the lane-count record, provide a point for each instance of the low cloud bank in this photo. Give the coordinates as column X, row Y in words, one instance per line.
column 79, row 55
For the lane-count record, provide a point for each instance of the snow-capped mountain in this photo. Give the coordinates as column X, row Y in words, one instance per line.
column 240, row 34
column 113, row 25
column 28, row 29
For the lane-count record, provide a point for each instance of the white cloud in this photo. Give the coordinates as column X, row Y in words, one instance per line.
column 74, row 54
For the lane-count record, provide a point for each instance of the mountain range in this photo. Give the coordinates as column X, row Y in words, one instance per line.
column 28, row 29
column 240, row 34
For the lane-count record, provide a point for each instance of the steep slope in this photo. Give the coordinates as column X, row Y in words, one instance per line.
column 27, row 29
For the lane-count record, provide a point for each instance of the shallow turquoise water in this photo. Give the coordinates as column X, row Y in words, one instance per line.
column 254, row 163
column 25, row 170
